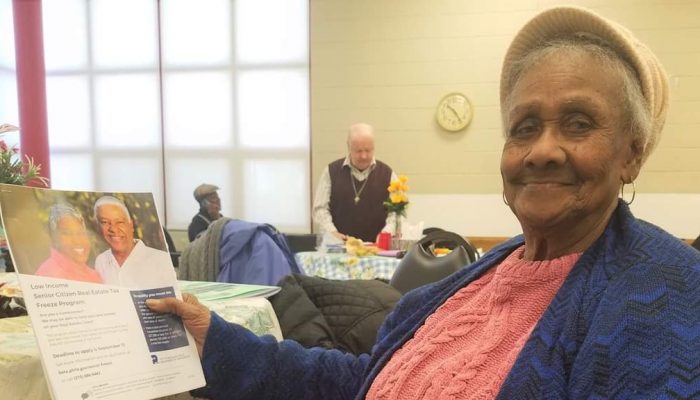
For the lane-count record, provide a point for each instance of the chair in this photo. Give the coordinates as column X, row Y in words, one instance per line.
column 299, row 242
column 174, row 254
column 420, row 266
column 237, row 251
column 696, row 243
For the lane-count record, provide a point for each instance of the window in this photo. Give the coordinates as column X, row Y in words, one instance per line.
column 162, row 96
column 8, row 84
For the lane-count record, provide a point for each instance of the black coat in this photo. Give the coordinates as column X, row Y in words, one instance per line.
column 344, row 315
column 199, row 224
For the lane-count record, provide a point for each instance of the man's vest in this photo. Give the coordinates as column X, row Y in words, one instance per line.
column 366, row 218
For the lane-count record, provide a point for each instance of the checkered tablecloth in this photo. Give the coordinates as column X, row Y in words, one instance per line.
column 344, row 267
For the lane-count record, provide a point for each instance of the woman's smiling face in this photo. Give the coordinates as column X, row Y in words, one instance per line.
column 566, row 152
column 72, row 239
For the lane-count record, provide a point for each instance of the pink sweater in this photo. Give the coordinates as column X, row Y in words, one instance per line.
column 467, row 347
column 58, row 265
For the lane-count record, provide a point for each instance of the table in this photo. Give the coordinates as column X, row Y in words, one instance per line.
column 254, row 313
column 343, row 266
column 21, row 374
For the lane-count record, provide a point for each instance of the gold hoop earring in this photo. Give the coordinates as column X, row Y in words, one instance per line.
column 622, row 193
column 504, row 199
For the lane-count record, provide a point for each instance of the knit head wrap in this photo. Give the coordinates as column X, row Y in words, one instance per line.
column 560, row 21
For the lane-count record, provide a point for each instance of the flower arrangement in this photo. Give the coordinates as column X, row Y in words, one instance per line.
column 397, row 201
column 12, row 169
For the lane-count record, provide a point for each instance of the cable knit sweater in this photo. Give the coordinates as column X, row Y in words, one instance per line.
column 624, row 324
column 466, row 348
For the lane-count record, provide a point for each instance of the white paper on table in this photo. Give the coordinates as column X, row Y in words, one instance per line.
column 329, row 240
column 412, row 231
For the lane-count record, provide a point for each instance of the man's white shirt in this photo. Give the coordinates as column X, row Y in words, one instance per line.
column 145, row 268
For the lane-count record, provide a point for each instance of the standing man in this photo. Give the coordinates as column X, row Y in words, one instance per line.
column 209, row 209
column 128, row 262
column 350, row 195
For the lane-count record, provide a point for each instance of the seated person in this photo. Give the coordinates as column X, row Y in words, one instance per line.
column 588, row 303
column 209, row 210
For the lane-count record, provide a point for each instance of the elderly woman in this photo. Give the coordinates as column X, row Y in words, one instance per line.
column 70, row 247
column 589, row 302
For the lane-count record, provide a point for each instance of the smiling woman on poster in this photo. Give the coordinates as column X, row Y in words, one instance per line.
column 70, row 247
column 128, row 262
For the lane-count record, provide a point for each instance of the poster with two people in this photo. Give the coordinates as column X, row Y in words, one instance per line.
column 87, row 262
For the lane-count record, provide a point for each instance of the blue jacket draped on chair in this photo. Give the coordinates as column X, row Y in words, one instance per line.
column 254, row 254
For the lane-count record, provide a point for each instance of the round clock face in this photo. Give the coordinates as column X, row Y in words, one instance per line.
column 454, row 112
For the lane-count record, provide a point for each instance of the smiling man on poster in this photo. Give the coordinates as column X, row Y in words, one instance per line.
column 128, row 262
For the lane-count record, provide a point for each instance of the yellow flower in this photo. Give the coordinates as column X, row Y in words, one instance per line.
column 396, row 197
column 397, row 201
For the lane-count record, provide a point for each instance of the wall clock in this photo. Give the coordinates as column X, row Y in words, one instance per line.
column 454, row 112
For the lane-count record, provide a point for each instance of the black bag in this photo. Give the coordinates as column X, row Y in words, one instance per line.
column 420, row 266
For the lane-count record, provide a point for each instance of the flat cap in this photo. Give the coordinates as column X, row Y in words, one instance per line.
column 204, row 190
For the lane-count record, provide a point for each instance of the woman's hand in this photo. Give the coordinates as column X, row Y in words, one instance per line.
column 195, row 316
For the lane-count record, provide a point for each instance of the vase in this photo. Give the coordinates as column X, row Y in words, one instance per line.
column 396, row 234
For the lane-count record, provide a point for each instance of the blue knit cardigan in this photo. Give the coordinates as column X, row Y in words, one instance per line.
column 625, row 325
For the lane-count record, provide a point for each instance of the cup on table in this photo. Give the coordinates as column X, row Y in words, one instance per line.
column 384, row 240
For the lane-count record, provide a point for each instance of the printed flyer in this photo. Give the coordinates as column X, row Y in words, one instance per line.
column 87, row 262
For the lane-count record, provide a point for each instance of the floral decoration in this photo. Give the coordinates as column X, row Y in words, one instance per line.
column 355, row 247
column 398, row 201
column 12, row 169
